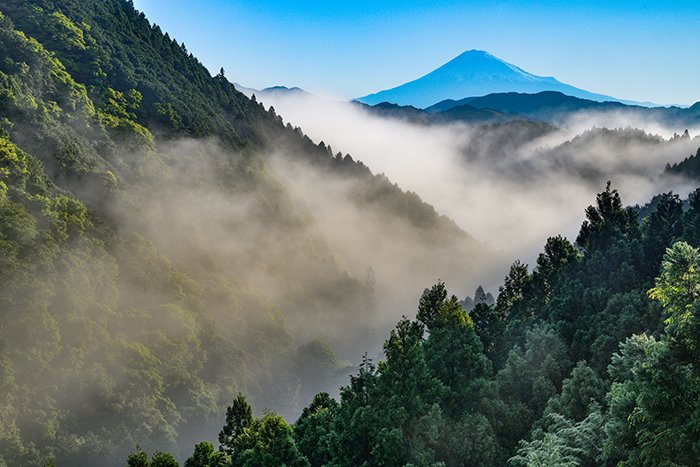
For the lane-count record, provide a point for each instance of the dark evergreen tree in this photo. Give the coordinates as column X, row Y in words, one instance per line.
column 605, row 221
column 662, row 228
column 313, row 431
column 430, row 303
column 356, row 420
column 454, row 356
column 691, row 223
column 205, row 455
column 138, row 458
column 582, row 392
column 490, row 324
column 163, row 459
column 273, row 445
column 409, row 394
column 239, row 418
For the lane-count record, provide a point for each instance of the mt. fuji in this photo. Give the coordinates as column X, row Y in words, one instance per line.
column 474, row 73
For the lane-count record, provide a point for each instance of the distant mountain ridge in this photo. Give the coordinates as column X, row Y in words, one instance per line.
column 555, row 107
column 464, row 113
column 548, row 107
column 474, row 73
column 527, row 103
column 272, row 90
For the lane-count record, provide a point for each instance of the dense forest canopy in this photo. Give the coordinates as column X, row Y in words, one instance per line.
column 163, row 280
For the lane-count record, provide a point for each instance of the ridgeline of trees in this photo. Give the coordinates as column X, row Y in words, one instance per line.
column 592, row 358
column 688, row 167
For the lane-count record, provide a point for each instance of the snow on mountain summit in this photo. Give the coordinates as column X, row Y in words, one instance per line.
column 473, row 73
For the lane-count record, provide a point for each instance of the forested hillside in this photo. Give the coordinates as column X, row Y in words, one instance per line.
column 688, row 167
column 152, row 264
column 589, row 358
column 173, row 255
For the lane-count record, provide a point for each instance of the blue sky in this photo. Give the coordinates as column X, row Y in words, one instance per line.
column 639, row 50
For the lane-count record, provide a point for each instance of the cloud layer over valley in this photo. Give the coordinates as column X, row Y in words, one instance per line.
column 510, row 185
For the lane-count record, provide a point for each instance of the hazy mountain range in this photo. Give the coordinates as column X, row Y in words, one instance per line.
column 270, row 91
column 479, row 87
column 547, row 106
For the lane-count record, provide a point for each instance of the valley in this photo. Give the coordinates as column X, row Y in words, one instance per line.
column 482, row 266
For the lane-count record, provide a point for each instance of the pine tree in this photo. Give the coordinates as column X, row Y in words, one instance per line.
column 239, row 418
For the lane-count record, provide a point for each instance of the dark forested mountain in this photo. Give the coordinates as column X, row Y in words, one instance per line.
column 152, row 263
column 555, row 107
column 551, row 107
column 544, row 102
column 402, row 112
column 462, row 113
column 447, row 104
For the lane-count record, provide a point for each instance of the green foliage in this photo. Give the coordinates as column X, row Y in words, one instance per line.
column 117, row 113
column 97, row 305
column 530, row 377
column 410, row 390
column 678, row 286
column 489, row 325
column 239, row 419
column 313, row 431
column 691, row 227
column 580, row 391
column 654, row 410
column 663, row 227
column 653, row 417
column 558, row 254
column 604, row 221
column 138, row 458
column 419, row 407
column 430, row 303
column 455, row 357
column 271, row 445
column 205, row 456
column 163, row 459
column 634, row 353
column 565, row 443
column 678, row 290
column 248, row 441
column 514, row 288
column 112, row 333
column 355, row 423
column 65, row 32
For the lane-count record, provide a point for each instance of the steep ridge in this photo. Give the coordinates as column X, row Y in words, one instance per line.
column 152, row 262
